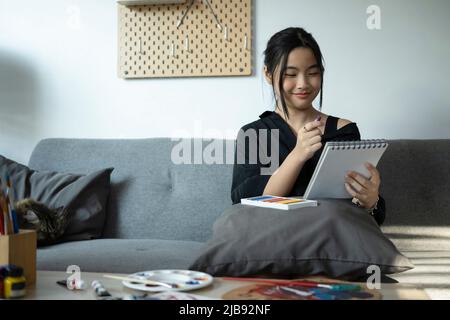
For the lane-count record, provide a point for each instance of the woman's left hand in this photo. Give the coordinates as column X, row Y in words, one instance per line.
column 363, row 189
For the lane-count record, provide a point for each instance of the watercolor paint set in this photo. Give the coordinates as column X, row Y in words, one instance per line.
column 282, row 203
column 179, row 280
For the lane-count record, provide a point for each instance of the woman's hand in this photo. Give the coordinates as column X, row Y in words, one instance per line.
column 309, row 140
column 363, row 189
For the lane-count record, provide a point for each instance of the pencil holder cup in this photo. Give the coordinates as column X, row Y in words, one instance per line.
column 20, row 249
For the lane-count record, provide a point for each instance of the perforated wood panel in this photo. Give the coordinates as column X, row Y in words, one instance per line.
column 150, row 45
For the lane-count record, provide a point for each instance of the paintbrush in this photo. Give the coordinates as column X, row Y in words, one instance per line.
column 143, row 281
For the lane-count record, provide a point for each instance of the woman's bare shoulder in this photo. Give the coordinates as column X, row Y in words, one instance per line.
column 342, row 123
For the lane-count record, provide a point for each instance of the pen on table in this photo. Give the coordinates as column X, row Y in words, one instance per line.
column 75, row 285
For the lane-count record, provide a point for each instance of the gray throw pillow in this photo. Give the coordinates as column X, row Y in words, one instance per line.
column 84, row 196
column 335, row 239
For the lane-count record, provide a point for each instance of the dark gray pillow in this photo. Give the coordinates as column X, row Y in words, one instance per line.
column 84, row 196
column 335, row 239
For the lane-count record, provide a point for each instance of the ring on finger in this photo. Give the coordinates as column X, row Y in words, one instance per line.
column 357, row 202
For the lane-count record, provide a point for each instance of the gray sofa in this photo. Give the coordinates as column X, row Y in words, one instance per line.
column 160, row 214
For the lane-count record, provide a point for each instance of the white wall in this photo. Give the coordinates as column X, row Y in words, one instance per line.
column 58, row 73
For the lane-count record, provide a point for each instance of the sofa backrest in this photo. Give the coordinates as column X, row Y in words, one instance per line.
column 415, row 177
column 152, row 197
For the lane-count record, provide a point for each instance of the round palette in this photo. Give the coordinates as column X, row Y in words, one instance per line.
column 181, row 280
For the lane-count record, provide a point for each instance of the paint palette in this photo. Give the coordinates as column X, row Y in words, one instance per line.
column 183, row 280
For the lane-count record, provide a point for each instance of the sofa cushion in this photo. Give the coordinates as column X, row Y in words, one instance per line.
column 119, row 255
column 84, row 196
column 336, row 239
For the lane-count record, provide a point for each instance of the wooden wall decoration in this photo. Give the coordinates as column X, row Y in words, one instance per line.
column 213, row 40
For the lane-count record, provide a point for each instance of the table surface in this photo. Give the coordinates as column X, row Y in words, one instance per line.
column 46, row 288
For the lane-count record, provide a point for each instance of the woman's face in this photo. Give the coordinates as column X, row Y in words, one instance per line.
column 302, row 79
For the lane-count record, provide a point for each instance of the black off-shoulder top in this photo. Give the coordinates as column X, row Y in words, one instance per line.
column 247, row 178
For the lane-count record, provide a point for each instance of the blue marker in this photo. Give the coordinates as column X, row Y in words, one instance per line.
column 10, row 201
column 15, row 221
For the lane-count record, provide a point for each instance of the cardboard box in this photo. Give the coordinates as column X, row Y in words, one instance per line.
column 20, row 249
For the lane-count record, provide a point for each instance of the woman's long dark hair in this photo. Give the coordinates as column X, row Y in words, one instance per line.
column 277, row 52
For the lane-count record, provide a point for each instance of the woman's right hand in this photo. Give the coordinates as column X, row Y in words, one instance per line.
column 308, row 140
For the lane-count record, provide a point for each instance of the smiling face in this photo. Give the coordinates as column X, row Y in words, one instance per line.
column 301, row 80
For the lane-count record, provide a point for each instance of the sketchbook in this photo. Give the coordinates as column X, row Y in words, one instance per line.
column 336, row 159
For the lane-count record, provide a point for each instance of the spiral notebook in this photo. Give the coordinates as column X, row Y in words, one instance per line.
column 336, row 159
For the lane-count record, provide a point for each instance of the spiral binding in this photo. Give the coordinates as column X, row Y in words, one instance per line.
column 359, row 144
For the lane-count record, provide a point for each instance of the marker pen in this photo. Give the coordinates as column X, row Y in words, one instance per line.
column 99, row 289
column 75, row 285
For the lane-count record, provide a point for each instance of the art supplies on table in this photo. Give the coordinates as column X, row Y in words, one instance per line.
column 268, row 289
column 99, row 289
column 282, row 203
column 166, row 280
column 73, row 285
column 13, row 282
column 336, row 160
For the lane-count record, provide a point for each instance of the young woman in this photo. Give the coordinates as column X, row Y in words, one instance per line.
column 293, row 66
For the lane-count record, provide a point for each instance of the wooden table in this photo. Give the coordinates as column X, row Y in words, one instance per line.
column 46, row 288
